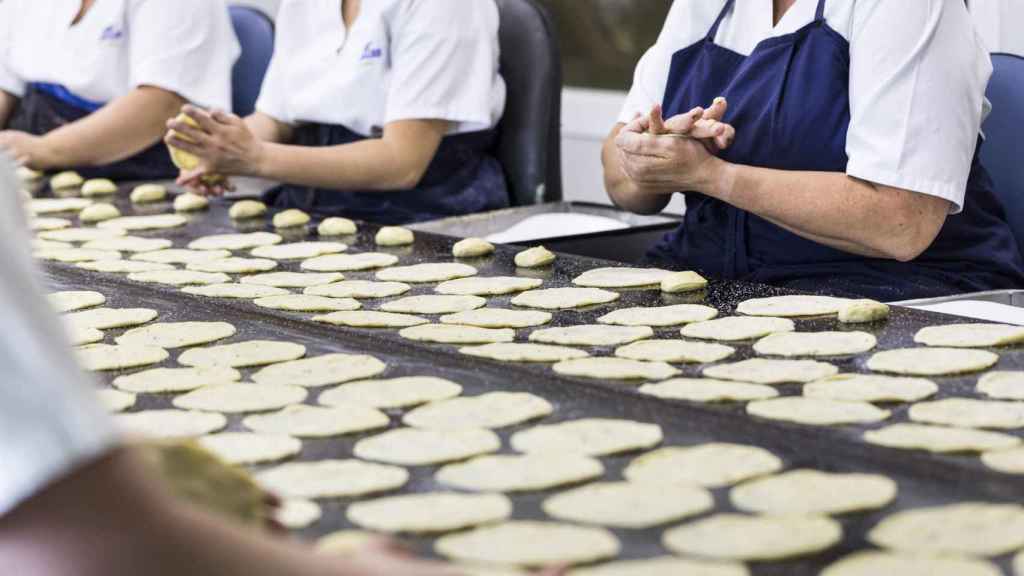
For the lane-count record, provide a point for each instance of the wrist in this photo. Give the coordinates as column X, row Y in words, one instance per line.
column 717, row 179
column 259, row 160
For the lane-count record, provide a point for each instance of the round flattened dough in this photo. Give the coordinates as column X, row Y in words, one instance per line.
column 298, row 250
column 240, row 398
column 358, row 289
column 564, row 298
column 814, row 492
column 789, row 344
column 107, row 318
column 863, row 311
column 588, row 436
column 189, row 202
column 449, row 334
column 75, row 255
column 434, row 304
column 82, row 336
column 44, row 245
column 711, row 465
column 969, row 413
column 298, row 513
column 349, row 262
column 160, row 380
column 392, row 393
column 754, row 538
column 371, row 319
column 307, row 303
column 115, row 400
column 615, row 369
column 679, row 282
column 534, row 257
column 235, row 241
column 57, row 205
column 517, row 352
column 147, row 193
column 525, row 543
column 968, row 528
column 491, row 410
column 429, row 513
column 708, row 390
column 394, row 236
column 166, row 424
column 870, row 388
column 817, row 411
column 792, row 306
column 939, row 439
column 234, row 265
column 487, row 286
column 129, row 244
column 74, row 300
column 331, row 479
column 621, row 277
column 675, row 351
column 498, row 318
column 345, row 542
column 665, row 566
column 236, row 291
column 179, row 278
column 177, row 334
column 101, row 357
column 156, row 222
column 304, row 421
column 875, row 563
column 321, row 370
column 1006, row 461
column 735, row 328
column 98, row 187
column 591, row 335
column 124, row 266
column 472, row 248
column 423, row 273
column 243, row 448
column 243, row 354
column 1003, row 385
column 629, row 505
column 422, row 447
column 520, row 473
column 766, row 371
column 931, row 361
column 45, row 224
column 292, row 218
column 660, row 316
column 65, row 180
column 98, row 213
column 970, row 335
column 336, row 227
column 245, row 209
column 181, row 256
column 293, row 280
column 81, row 234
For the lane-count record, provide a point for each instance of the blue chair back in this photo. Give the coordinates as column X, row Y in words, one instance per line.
column 1003, row 151
column 255, row 31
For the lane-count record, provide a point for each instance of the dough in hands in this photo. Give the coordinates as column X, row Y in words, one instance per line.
column 472, row 248
column 98, row 187
column 394, row 236
column 246, row 209
column 336, row 227
column 148, row 193
column 189, row 202
column 292, row 218
column 534, row 258
column 98, row 213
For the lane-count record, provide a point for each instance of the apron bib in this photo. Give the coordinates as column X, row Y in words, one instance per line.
column 789, row 102
column 461, row 179
column 46, row 107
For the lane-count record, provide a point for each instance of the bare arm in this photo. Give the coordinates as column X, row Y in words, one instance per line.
column 269, row 129
column 8, row 102
column 624, row 191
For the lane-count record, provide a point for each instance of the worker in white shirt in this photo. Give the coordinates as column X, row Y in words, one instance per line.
column 384, row 111
column 74, row 502
column 89, row 85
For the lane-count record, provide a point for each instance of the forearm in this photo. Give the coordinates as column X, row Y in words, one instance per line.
column 622, row 190
column 113, row 133
column 8, row 102
column 269, row 129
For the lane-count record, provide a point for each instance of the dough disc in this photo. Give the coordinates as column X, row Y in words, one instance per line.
column 430, row 513
column 170, row 423
column 371, row 319
column 240, row 398
column 661, row 316
column 491, row 410
column 734, row 328
column 393, row 393
column 156, row 222
column 242, row 448
column 75, row 255
column 160, row 380
column 107, row 318
column 529, row 544
column 236, row 291
column 234, row 265
column 419, row 447
column 789, row 344
column 331, row 479
column 498, row 318
column 814, row 492
column 487, row 286
column 588, row 436
column 931, row 361
column 72, row 301
column 665, row 566
column 129, row 244
column 515, row 352
column 621, row 278
column 870, row 388
column 115, row 400
column 754, row 538
column 564, row 298
column 423, row 273
column 293, row 279
column 243, row 354
column 675, row 351
column 708, row 390
column 177, row 334
column 765, row 371
column 449, row 334
column 816, row 411
column 629, row 505
column 306, row 303
column 873, row 563
column 939, row 438
column 969, row 413
column 235, row 241
column 80, row 234
column 359, row 289
column 1006, row 461
column 710, row 465
column 297, row 513
column 792, row 306
column 970, row 335
column 591, row 335
column 304, row 421
column 1003, row 385
column 181, row 256
column 179, row 278
column 100, row 357
column 434, row 304
column 615, row 369
column 298, row 250
column 124, row 266
column 520, row 473
column 349, row 262
column 968, row 528
column 321, row 370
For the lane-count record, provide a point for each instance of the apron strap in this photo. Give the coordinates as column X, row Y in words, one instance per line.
column 718, row 21
column 820, row 14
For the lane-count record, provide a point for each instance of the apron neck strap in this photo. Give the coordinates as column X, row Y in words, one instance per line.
column 820, row 14
column 718, row 21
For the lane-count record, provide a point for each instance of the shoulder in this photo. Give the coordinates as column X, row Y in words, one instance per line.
column 688, row 21
column 450, row 9
column 866, row 20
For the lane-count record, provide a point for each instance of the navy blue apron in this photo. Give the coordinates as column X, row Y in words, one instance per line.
column 789, row 102
column 463, row 178
column 46, row 107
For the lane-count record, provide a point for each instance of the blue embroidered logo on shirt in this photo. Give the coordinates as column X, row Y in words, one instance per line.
column 111, row 34
column 371, row 52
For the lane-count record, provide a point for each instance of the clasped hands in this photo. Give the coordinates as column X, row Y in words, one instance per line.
column 222, row 142
column 678, row 154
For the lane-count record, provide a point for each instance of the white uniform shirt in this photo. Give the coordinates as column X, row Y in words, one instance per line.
column 401, row 60
column 184, row 46
column 918, row 72
column 1001, row 24
column 50, row 420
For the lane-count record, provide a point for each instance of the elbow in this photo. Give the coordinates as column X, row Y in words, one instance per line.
column 405, row 179
column 909, row 240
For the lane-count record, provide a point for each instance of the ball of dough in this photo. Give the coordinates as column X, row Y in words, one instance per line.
column 147, row 193
column 862, row 311
column 472, row 248
column 189, row 202
column 66, row 180
column 99, row 213
column 244, row 209
column 185, row 161
column 98, row 187
column 534, row 257
column 336, row 227
column 290, row 219
column 683, row 282
column 394, row 236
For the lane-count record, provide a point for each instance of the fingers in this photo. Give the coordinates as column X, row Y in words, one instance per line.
column 726, row 138
column 225, row 117
column 202, row 117
column 657, row 121
column 682, row 124
column 717, row 109
column 190, row 147
column 188, row 132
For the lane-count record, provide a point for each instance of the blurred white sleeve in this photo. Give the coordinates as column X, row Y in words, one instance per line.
column 9, row 81
column 50, row 420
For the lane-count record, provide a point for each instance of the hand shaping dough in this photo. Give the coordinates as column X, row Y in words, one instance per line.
column 292, row 218
column 931, row 361
column 189, row 202
column 491, row 410
column 683, row 282
column 870, row 388
column 393, row 393
column 237, row 291
column 629, row 505
column 450, row 334
column 615, row 369
column 243, row 448
column 434, row 304
column 472, row 248
column 371, row 319
column 148, row 193
column 306, row 303
column 245, row 209
column 588, row 436
column 621, row 277
column 240, row 398
column 100, row 357
column 967, row 528
column 420, row 447
column 814, row 492
column 243, row 354
column 98, row 213
column 970, row 335
column 1003, row 385
column 331, row 479
column 515, row 352
column 863, row 311
column 394, row 236
column 424, row 273
column 675, row 351
column 235, row 241
column 321, row 370
column 177, row 334
column 816, row 411
column 660, row 316
column 710, row 465
column 234, row 265
column 157, row 222
column 564, row 298
column 497, row 318
column 764, row 371
column 358, row 289
column 874, row 563
column 304, row 421
column 520, row 473
column 179, row 277
column 591, row 335
column 97, row 187
column 487, row 286
column 349, row 262
column 161, row 380
column 708, row 390
column 754, row 538
column 72, row 301
column 526, row 543
column 733, row 328
column 793, row 306
column 969, row 413
column 298, row 250
column 336, row 227
column 293, row 280
column 430, row 513
column 534, row 258
column 939, row 439
column 166, row 424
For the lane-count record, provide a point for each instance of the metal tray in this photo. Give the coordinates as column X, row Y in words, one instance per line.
column 1007, row 297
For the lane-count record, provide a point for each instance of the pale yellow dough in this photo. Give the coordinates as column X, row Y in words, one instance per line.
column 98, row 187
column 148, row 193
column 358, row 289
column 968, row 528
column 298, row 513
column 344, row 542
column 292, row 218
column 167, row 424
column 734, row 328
column 294, row 280
column 26, row 174
column 526, row 543
column 321, row 370
column 534, row 258
column 970, row 335
column 235, row 241
column 394, row 236
column 234, row 265
column 157, row 222
column 931, row 361
column 1003, row 385
column 80, row 234
column 243, row 354
column 472, row 248
column 660, row 316
column 336, row 227
column 498, row 318
column 591, row 335
column 371, row 319
column 331, row 479
column 106, row 318
column 43, row 245
column 939, row 439
column 491, row 410
column 683, row 282
column 792, row 306
column 56, row 205
column 710, row 465
column 520, row 473
column 814, row 492
column 181, row 256
column 790, row 344
column 244, row 448
column 517, row 352
column 237, row 291
column 47, row 224
column 969, row 413
column 179, row 277
column 298, row 250
column 665, row 566
column 98, row 213
column 875, row 563
column 629, row 505
column 75, row 255
column 304, row 421
column 754, row 538
column 422, row 447
column 487, row 286
column 306, row 303
column 817, row 411
column 189, row 202
column 133, row 244
column 80, row 336
column 424, row 273
column 1006, row 461
column 588, row 436
column 115, row 400
column 161, row 380
column 430, row 512
column 240, row 398
column 870, row 388
column 621, row 278
column 433, row 304
column 246, row 209
column 392, row 393
column 765, row 371
column 177, row 334
column 708, row 390
column 863, row 311
column 450, row 334
column 615, row 369
column 74, row 300
column 564, row 298
column 124, row 266
column 675, row 351
column 349, row 262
